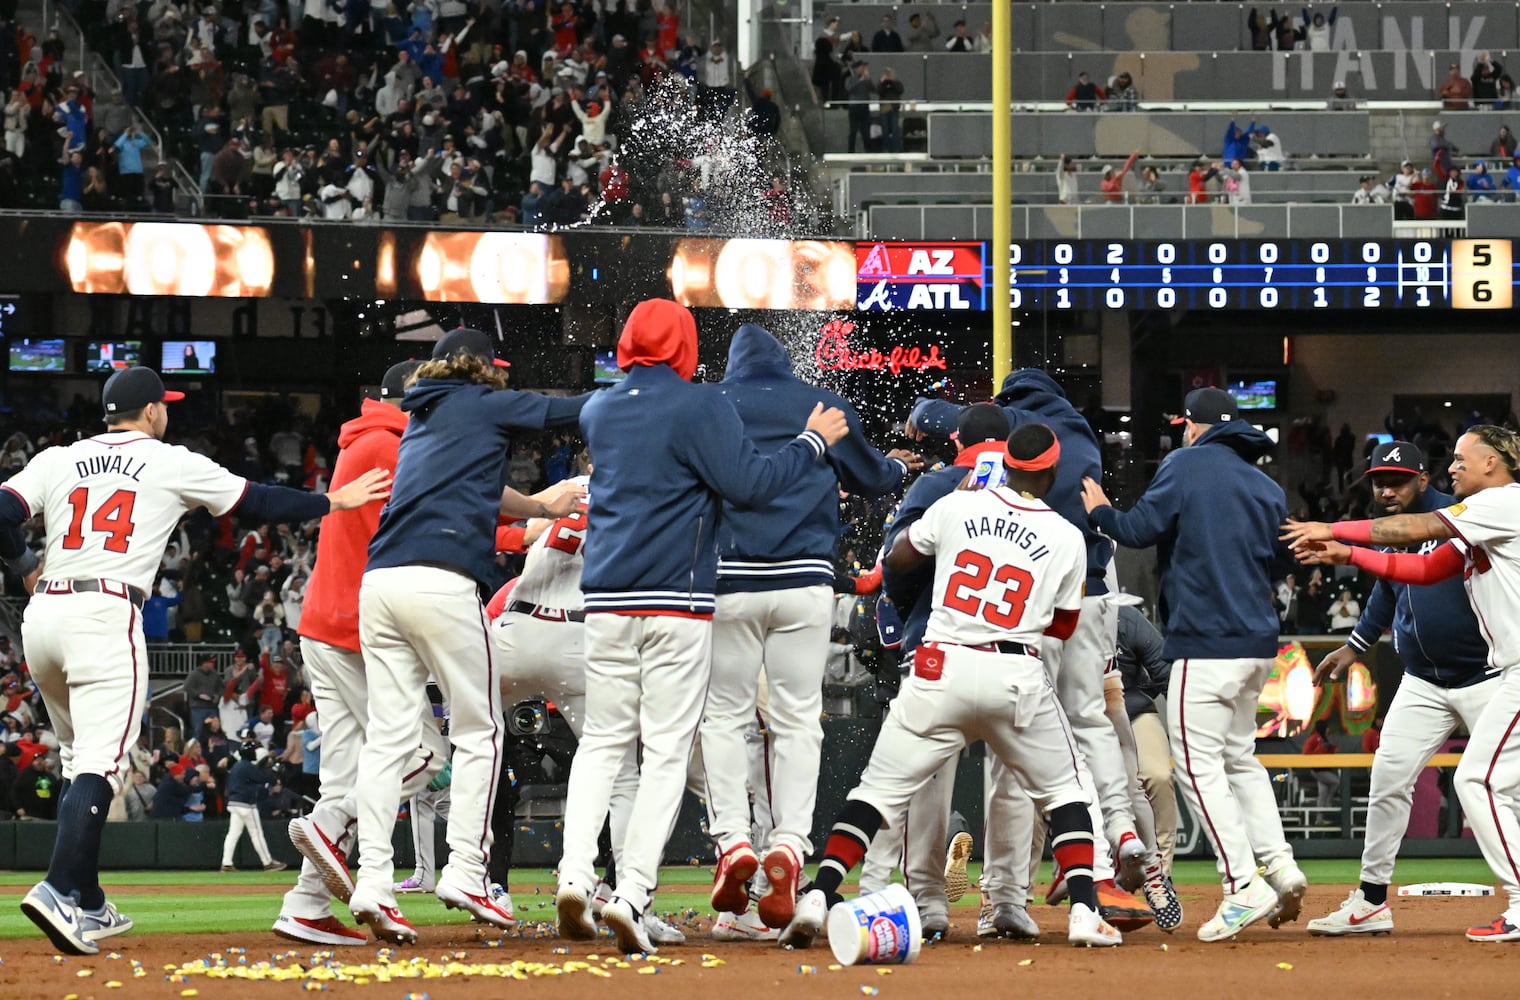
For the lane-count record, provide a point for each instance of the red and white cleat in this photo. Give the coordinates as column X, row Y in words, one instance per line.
column 327, row 931
column 736, row 867
column 324, row 855
column 382, row 918
column 782, row 869
column 483, row 908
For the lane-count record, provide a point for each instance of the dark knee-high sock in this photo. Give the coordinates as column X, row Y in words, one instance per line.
column 1374, row 893
column 75, row 866
column 504, row 830
column 857, row 824
column 604, row 850
column 1071, row 841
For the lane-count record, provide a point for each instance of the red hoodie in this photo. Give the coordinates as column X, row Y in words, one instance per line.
column 659, row 332
column 330, row 612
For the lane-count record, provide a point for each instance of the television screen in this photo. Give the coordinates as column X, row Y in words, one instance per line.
column 38, row 356
column 189, row 357
column 607, row 370
column 1254, row 394
column 110, row 355
column 1381, row 438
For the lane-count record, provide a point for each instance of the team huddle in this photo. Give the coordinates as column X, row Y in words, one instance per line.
column 676, row 609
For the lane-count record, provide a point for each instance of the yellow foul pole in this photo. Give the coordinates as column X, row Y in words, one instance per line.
column 1002, row 190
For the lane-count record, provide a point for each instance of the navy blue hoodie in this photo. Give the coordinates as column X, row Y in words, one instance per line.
column 1434, row 629
column 665, row 453
column 1031, row 396
column 1214, row 518
column 790, row 541
column 450, row 471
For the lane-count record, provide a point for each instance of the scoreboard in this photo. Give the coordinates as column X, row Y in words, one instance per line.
column 1263, row 274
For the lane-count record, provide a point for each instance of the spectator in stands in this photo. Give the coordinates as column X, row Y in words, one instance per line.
column 96, row 195
column 1316, row 30
column 1112, row 184
column 1480, row 183
column 17, row 110
column 984, row 38
column 1503, row 145
column 1123, row 95
column 279, row 83
column 828, row 76
column 1506, row 99
column 1262, row 29
column 1512, row 178
column 1441, row 150
column 1485, row 80
column 764, row 113
column 155, row 613
column 1345, row 613
column 1287, row 603
column 1454, row 198
column 860, row 92
column 1149, row 189
column 1066, row 180
column 1286, row 36
column 71, row 190
column 203, row 692
column 1340, row 99
column 1456, row 90
column 161, row 190
column 1368, row 192
column 1403, row 191
column 138, row 798
column 890, row 90
column 1084, row 94
column 718, row 78
column 960, row 40
column 34, row 795
column 1237, row 141
column 1237, row 182
column 129, row 146
column 1424, row 193
column 922, row 31
column 1198, row 181
column 264, row 726
column 851, row 46
column 1269, row 149
column 886, row 38
column 172, row 796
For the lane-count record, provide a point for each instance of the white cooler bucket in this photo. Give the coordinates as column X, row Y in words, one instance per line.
column 880, row 928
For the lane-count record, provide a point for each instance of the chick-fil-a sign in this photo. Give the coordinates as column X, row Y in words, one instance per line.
column 834, row 353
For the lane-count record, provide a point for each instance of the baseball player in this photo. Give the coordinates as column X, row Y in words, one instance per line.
column 1008, row 571
column 335, row 668
column 247, row 785
column 667, row 453
column 1031, row 396
column 1447, row 682
column 1144, row 673
column 774, row 608
column 421, row 613
column 111, row 502
column 1483, row 527
column 1210, row 512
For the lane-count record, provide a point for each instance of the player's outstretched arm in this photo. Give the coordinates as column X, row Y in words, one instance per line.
column 1400, row 530
column 903, row 557
column 830, row 423
column 558, row 500
column 373, row 485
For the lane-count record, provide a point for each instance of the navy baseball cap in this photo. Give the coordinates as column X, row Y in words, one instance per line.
column 393, row 385
column 1208, row 406
column 133, row 388
column 1397, row 456
column 982, row 422
column 464, row 340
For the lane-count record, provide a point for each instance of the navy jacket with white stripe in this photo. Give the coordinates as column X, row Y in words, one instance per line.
column 790, row 541
column 664, row 452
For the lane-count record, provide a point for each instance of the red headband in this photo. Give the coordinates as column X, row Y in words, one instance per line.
column 1044, row 460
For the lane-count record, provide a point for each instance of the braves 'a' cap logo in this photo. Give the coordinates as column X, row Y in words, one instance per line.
column 1392, row 456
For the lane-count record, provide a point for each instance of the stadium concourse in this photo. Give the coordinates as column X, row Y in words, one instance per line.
column 456, row 959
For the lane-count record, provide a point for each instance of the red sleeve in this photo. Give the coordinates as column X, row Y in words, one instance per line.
column 1063, row 624
column 498, row 602
column 511, row 538
column 1352, row 532
column 1409, row 567
column 1071, row 95
column 870, row 582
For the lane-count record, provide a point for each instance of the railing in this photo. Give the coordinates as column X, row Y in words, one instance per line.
column 173, row 661
column 1348, row 809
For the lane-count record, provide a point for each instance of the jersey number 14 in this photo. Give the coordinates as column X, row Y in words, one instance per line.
column 113, row 518
column 964, row 591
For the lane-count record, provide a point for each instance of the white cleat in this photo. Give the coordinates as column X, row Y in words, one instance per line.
column 1086, row 928
column 482, row 908
column 1355, row 916
column 661, row 932
column 627, row 926
column 601, row 898
column 743, row 927
column 807, row 920
column 1239, row 910
column 105, row 922
column 1290, row 884
column 382, row 917
column 574, row 908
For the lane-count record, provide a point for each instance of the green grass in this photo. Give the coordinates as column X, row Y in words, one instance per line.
column 682, row 889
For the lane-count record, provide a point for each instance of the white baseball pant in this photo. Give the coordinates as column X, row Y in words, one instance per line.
column 785, row 633
column 1421, row 718
column 1004, row 699
column 915, row 839
column 428, row 807
column 416, row 621
column 1488, row 786
column 242, row 816
column 1013, row 826
column 341, row 693
column 1076, row 666
column 646, row 679
column 1211, row 708
column 540, row 658
column 1140, row 806
column 88, row 658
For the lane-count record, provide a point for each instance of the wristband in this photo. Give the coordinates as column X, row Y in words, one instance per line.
column 1352, row 532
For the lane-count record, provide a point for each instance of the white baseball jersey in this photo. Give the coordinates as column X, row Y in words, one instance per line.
column 112, row 501
column 551, row 575
column 1488, row 531
column 1004, row 564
